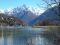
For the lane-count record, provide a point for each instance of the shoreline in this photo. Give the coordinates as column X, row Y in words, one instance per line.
column 44, row 26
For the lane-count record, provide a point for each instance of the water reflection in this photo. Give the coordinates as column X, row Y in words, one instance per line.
column 26, row 36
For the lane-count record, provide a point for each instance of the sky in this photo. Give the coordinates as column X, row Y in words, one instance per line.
column 5, row 4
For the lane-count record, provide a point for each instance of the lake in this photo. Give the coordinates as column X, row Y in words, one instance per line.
column 28, row 36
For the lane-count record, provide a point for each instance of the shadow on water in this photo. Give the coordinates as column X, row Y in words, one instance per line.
column 29, row 36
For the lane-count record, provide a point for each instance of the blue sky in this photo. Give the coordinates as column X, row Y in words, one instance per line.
column 4, row 4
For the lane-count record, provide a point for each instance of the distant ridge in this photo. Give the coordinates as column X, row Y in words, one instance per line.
column 50, row 15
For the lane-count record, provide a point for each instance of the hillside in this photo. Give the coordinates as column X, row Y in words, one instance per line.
column 9, row 20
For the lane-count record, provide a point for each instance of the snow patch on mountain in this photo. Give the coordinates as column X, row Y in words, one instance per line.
column 1, row 11
column 37, row 11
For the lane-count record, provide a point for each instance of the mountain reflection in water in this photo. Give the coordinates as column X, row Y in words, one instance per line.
column 28, row 36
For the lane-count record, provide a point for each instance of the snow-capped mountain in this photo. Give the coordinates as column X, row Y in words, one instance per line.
column 24, row 13
column 50, row 15
column 30, row 15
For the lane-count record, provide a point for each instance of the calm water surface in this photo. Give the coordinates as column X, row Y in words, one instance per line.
column 26, row 36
